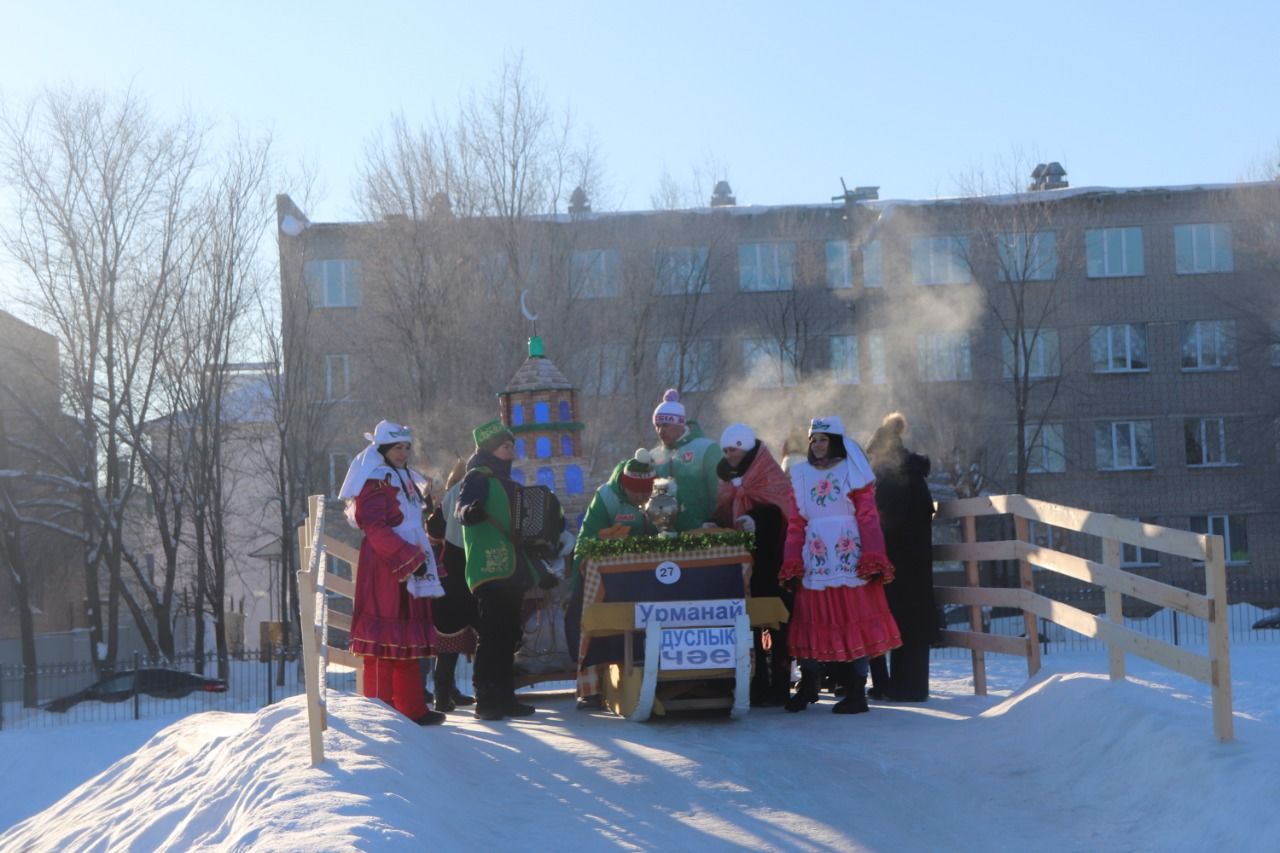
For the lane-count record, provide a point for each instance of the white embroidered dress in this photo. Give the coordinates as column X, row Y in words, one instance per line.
column 832, row 544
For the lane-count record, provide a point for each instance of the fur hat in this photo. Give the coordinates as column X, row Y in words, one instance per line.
column 670, row 410
column 637, row 473
column 739, row 436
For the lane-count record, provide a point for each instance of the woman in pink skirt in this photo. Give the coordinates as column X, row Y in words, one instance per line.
column 836, row 550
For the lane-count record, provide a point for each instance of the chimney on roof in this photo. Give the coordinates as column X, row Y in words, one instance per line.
column 578, row 202
column 722, row 195
column 1048, row 176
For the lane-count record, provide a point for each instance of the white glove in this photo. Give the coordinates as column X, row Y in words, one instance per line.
column 427, row 586
column 745, row 522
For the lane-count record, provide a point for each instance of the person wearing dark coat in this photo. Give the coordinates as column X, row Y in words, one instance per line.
column 755, row 495
column 454, row 615
column 906, row 517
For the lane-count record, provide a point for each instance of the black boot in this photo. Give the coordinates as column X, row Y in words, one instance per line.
column 760, row 693
column 515, row 708
column 807, row 691
column 490, row 702
column 855, row 697
column 431, row 718
column 448, row 696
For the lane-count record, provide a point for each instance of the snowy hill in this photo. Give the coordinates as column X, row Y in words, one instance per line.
column 1069, row 761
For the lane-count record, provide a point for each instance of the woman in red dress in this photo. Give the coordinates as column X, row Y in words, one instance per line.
column 396, row 577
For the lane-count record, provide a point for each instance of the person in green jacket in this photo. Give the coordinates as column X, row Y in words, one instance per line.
column 619, row 500
column 690, row 458
column 497, row 571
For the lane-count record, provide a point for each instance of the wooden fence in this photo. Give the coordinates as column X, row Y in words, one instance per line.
column 1213, row 669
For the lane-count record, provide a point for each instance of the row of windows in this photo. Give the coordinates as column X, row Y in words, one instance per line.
column 605, row 369
column 770, row 266
column 573, row 484
column 1128, row 445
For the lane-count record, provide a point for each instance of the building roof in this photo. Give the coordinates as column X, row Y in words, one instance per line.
column 538, row 373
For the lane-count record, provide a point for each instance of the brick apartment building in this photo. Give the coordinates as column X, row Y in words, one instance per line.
column 1147, row 317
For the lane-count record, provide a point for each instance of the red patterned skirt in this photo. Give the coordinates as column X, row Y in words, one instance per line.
column 842, row 623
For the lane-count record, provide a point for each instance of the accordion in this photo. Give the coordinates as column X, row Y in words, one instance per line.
column 537, row 520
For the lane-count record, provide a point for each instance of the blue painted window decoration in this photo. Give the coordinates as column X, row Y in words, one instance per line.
column 517, row 475
column 542, row 413
column 565, row 414
column 517, row 414
column 547, row 477
column 520, row 451
column 543, row 447
column 566, row 445
column 573, row 480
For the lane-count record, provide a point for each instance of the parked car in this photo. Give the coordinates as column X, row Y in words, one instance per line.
column 1272, row 621
column 160, row 683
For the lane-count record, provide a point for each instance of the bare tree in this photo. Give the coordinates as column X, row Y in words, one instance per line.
column 104, row 203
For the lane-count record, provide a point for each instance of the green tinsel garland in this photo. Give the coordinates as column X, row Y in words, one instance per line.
column 685, row 543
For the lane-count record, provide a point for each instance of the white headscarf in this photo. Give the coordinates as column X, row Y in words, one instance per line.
column 370, row 460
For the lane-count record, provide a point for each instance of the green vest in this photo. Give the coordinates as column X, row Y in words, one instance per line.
column 692, row 462
column 490, row 553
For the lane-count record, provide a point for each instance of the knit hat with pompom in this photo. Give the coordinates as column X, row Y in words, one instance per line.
column 670, row 410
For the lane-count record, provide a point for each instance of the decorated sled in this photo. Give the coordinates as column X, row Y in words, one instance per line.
column 667, row 622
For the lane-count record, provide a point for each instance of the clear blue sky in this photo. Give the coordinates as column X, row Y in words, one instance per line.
column 905, row 95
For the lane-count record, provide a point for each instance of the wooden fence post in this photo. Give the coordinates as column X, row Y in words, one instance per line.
column 309, row 542
column 1215, row 585
column 1115, row 607
column 1027, row 581
column 975, row 610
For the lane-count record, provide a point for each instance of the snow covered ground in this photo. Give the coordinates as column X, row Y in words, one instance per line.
column 1068, row 761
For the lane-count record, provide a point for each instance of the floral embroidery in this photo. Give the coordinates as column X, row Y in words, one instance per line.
column 845, row 549
column 818, row 550
column 823, row 493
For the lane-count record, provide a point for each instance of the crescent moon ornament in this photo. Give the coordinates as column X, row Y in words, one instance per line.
column 524, row 307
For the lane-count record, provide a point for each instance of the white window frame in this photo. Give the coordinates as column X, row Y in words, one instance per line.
column 1134, row 431
column 872, row 264
column 944, row 356
column 839, row 265
column 1135, row 556
column 337, row 377
column 698, row 359
column 1115, row 252
column 767, row 364
column 680, row 270
column 940, row 259
column 1015, row 262
column 338, row 465
column 333, row 282
column 595, row 273
column 1046, row 449
column 764, row 267
column 878, row 361
column 845, row 367
column 1220, row 524
column 1209, row 345
column 1044, row 361
column 1202, row 248
column 1215, row 438
column 1119, row 339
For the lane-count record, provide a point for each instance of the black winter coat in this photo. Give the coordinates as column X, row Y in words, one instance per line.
column 906, row 517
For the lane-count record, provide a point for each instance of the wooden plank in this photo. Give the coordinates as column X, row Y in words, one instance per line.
column 1001, row 549
column 1215, row 579
column 341, row 550
column 543, row 677
column 1131, row 642
column 1126, row 583
column 341, row 586
column 341, row 621
column 1114, row 605
column 343, row 657
column 1180, row 543
column 706, row 704
column 985, row 596
column 979, row 642
column 310, row 651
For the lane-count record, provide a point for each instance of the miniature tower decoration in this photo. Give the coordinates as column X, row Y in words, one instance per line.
column 541, row 408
